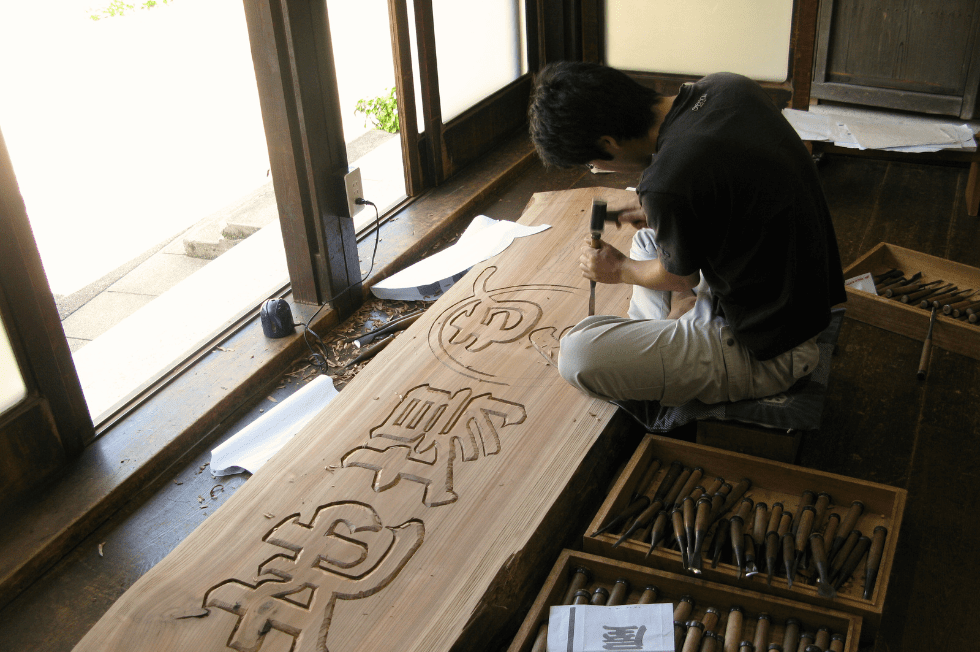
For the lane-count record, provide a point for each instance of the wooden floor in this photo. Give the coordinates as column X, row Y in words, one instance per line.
column 880, row 424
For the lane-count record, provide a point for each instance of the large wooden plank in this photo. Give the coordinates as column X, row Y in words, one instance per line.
column 387, row 520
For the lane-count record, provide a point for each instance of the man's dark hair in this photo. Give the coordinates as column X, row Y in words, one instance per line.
column 574, row 104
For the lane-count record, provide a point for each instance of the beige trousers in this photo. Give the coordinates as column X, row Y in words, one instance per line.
column 649, row 358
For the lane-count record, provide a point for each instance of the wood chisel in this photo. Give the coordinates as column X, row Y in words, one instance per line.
column 595, row 226
column 926, row 349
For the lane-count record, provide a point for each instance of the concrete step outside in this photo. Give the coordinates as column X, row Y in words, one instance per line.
column 225, row 228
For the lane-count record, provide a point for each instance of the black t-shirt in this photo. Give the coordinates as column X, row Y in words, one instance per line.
column 733, row 192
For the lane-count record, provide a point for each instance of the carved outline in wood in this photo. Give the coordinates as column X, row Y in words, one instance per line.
column 296, row 592
column 426, row 431
column 463, row 334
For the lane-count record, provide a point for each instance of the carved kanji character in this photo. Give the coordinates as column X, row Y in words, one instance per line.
column 343, row 554
column 427, row 427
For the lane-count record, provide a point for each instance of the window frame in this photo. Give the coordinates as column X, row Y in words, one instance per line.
column 51, row 424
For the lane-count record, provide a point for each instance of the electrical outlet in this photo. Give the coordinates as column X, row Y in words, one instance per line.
column 354, row 190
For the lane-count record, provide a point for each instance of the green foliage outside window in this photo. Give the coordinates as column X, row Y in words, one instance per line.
column 119, row 8
column 382, row 111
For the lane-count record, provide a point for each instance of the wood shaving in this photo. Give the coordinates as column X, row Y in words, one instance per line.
column 100, row 549
column 220, row 487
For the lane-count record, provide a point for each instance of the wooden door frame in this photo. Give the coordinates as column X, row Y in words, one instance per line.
column 794, row 92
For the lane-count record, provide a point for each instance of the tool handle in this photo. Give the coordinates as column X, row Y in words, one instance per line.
column 673, row 471
column 675, row 491
column 852, row 561
column 733, row 630
column 791, row 635
column 823, row 502
column 598, row 221
column 775, row 516
column 837, row 560
column 830, row 532
column 874, row 559
column 804, row 527
column 924, row 359
column 710, row 618
column 684, row 608
column 580, row 578
column 850, row 519
column 736, row 492
column 744, row 509
column 541, row 642
column 762, row 632
column 649, row 595
column 619, row 591
column 819, row 554
column 926, row 349
column 645, row 484
column 759, row 522
column 692, row 481
column 785, row 522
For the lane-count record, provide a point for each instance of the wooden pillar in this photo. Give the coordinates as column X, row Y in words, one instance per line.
column 294, row 69
column 973, row 190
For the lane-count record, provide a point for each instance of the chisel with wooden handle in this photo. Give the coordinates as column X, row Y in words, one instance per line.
column 874, row 560
column 595, row 226
column 926, row 349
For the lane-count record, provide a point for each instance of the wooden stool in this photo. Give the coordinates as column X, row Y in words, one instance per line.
column 770, row 443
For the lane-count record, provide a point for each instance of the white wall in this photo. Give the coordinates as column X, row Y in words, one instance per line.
column 697, row 37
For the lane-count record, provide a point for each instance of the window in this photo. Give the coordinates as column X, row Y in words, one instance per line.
column 12, row 387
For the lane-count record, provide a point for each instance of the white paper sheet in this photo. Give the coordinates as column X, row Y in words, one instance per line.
column 587, row 628
column 864, row 282
column 866, row 129
column 430, row 277
column 252, row 447
column 885, row 136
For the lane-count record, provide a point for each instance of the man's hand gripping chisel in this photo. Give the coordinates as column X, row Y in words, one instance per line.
column 595, row 226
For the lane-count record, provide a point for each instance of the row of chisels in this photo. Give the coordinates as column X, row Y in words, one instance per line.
column 916, row 290
column 710, row 520
column 707, row 629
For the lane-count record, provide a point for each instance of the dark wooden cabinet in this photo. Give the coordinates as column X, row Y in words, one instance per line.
column 911, row 55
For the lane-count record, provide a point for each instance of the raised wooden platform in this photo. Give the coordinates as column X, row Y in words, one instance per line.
column 409, row 508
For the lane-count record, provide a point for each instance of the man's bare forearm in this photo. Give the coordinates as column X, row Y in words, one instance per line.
column 652, row 275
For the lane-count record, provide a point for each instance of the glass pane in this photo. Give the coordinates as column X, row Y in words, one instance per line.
column 361, row 39
column 699, row 37
column 480, row 49
column 12, row 388
column 139, row 149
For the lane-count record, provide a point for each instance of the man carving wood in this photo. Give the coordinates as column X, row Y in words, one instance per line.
column 734, row 264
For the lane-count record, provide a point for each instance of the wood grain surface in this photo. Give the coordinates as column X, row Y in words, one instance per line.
column 383, row 523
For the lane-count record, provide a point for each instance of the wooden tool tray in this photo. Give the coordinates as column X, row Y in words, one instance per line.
column 670, row 588
column 772, row 482
column 949, row 333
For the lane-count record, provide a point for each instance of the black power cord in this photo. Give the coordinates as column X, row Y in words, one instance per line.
column 318, row 358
